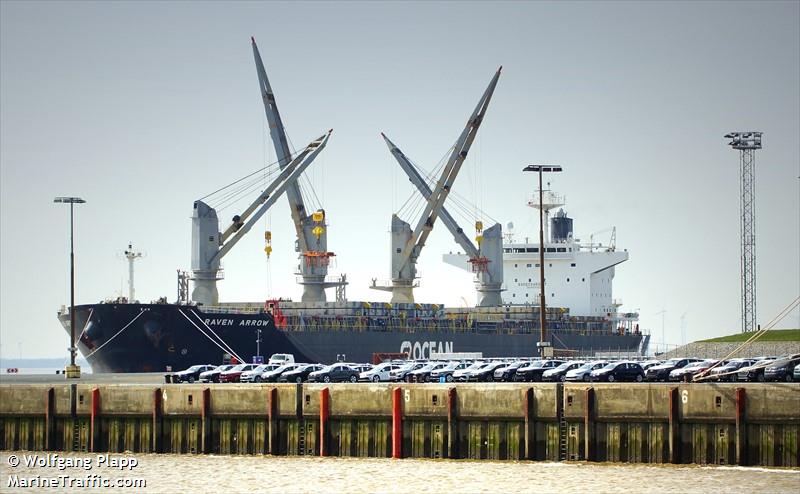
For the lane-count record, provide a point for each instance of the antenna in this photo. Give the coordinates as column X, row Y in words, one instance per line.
column 747, row 143
column 131, row 255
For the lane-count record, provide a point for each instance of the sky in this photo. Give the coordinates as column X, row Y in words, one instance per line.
column 141, row 108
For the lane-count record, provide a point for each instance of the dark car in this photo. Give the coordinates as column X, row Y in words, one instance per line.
column 533, row 371
column 447, row 371
column 755, row 372
column 782, row 369
column 485, row 373
column 686, row 374
column 232, row 375
column 421, row 375
column 273, row 375
column 661, row 372
column 212, row 376
column 560, row 373
column 334, row 373
column 299, row 374
column 191, row 374
column 506, row 372
column 728, row 371
column 619, row 371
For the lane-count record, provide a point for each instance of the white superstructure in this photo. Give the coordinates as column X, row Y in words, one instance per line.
column 577, row 276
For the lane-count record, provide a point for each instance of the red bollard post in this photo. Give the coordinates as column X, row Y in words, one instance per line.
column 324, row 407
column 93, row 425
column 397, row 423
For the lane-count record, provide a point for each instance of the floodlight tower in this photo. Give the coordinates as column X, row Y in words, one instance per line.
column 747, row 143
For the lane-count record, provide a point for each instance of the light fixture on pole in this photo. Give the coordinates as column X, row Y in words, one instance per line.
column 544, row 345
column 73, row 370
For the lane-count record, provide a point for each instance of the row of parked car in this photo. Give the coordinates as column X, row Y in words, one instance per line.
column 785, row 368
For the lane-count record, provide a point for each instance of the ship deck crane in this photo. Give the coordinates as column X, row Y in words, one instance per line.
column 312, row 236
column 209, row 246
column 407, row 244
column 486, row 258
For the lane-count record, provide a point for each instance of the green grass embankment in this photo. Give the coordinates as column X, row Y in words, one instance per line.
column 772, row 335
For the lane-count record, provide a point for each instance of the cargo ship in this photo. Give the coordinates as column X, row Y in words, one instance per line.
column 582, row 317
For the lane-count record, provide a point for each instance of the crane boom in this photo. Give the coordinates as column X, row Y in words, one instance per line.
column 283, row 182
column 278, row 135
column 439, row 194
column 415, row 178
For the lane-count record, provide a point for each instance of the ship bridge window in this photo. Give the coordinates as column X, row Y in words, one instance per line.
column 515, row 265
column 567, row 280
column 507, row 251
column 532, row 249
column 527, row 265
column 519, row 250
column 561, row 249
column 551, row 249
column 572, row 265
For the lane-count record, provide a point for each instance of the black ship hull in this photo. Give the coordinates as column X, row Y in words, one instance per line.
column 161, row 337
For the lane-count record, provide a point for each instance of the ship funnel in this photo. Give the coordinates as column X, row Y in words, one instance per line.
column 560, row 227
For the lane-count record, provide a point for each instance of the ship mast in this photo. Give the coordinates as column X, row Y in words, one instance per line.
column 131, row 255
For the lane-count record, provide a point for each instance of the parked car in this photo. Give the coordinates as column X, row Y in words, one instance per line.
column 421, row 375
column 299, row 374
column 583, row 373
column 447, row 371
column 506, row 372
column 796, row 373
column 619, row 371
column 360, row 367
column 275, row 374
column 782, row 369
column 399, row 374
column 755, row 372
column 379, row 373
column 212, row 376
column 485, row 373
column 191, row 374
column 728, row 371
column 649, row 363
column 686, row 374
column 232, row 375
column 560, row 373
column 254, row 375
column 334, row 373
column 533, row 371
column 463, row 374
column 661, row 371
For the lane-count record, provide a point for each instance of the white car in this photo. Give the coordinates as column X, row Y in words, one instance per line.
column 255, row 374
column 379, row 373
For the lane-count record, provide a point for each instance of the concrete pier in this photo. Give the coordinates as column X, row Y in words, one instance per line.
column 724, row 424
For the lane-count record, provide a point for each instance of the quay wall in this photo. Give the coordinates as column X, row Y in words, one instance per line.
column 709, row 423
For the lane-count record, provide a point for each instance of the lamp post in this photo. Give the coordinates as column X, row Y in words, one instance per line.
column 546, row 349
column 73, row 371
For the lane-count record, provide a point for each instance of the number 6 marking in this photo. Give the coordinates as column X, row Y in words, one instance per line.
column 685, row 396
